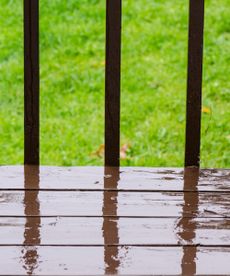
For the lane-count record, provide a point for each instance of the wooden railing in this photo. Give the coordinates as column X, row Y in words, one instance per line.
column 112, row 82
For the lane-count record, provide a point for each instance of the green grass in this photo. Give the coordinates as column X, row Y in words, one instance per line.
column 154, row 58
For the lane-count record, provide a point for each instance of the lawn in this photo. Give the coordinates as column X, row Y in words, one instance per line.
column 154, row 58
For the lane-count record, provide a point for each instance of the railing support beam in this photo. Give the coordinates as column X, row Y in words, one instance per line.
column 31, row 82
column 194, row 83
column 112, row 82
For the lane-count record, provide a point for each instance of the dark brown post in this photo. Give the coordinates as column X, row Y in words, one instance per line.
column 194, row 83
column 31, row 82
column 112, row 82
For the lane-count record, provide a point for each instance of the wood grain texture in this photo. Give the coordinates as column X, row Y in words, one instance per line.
column 31, row 82
column 158, row 204
column 112, row 82
column 123, row 179
column 194, row 82
column 115, row 231
column 130, row 260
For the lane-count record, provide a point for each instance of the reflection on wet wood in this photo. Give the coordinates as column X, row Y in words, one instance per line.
column 92, row 178
column 130, row 224
column 110, row 226
column 32, row 224
column 133, row 260
column 187, row 226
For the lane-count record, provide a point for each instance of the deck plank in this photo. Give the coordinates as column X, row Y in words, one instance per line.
column 114, row 231
column 111, row 260
column 96, row 178
column 109, row 203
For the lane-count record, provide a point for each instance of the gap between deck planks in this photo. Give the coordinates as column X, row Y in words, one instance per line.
column 125, row 221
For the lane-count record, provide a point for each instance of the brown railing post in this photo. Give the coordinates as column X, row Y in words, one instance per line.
column 112, row 82
column 194, row 83
column 31, row 82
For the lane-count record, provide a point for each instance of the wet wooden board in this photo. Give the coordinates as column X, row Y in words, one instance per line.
column 114, row 260
column 96, row 221
column 98, row 178
column 114, row 231
column 110, row 203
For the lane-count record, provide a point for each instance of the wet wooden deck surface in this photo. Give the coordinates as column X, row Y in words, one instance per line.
column 127, row 221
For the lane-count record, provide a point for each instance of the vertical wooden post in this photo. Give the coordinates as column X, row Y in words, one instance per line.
column 112, row 82
column 31, row 82
column 194, row 83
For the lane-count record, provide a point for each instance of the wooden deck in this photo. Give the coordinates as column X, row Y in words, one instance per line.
column 127, row 221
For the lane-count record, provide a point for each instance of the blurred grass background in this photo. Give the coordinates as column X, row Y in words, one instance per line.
column 154, row 58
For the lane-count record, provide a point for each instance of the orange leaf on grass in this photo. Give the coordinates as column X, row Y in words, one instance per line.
column 123, row 151
column 206, row 109
column 100, row 151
